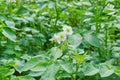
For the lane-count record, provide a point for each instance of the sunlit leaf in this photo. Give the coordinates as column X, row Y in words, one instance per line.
column 89, row 69
column 49, row 74
column 75, row 40
column 56, row 52
column 33, row 62
column 105, row 71
column 10, row 34
column 92, row 39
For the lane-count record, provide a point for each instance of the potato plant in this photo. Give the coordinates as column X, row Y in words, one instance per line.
column 59, row 40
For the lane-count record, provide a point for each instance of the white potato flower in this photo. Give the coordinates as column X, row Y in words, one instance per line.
column 62, row 36
column 67, row 30
column 55, row 39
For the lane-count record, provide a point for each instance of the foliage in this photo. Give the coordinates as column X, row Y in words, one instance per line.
column 59, row 40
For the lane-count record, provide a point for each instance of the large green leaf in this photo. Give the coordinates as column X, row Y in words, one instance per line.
column 10, row 23
column 24, row 78
column 89, row 69
column 7, row 32
column 66, row 66
column 36, row 73
column 22, row 10
column 6, row 72
column 49, row 74
column 40, row 67
column 2, row 17
column 56, row 52
column 105, row 71
column 92, row 39
column 33, row 62
column 75, row 40
column 62, row 74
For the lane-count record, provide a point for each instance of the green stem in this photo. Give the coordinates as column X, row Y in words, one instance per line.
column 72, row 78
column 77, row 67
column 57, row 15
column 10, row 7
column 18, row 3
column 97, row 18
column 106, row 39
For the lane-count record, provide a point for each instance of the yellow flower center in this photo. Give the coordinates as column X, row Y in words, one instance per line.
column 61, row 36
column 55, row 40
column 68, row 30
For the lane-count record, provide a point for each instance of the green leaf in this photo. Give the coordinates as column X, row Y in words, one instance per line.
column 2, row 17
column 49, row 74
column 33, row 62
column 42, row 5
column 75, row 40
column 10, row 23
column 105, row 71
column 6, row 72
column 56, row 52
column 117, row 70
column 89, row 69
column 24, row 78
column 7, row 32
column 66, row 66
column 22, row 10
column 40, row 67
column 92, row 39
column 36, row 73
column 11, row 71
column 79, row 58
column 63, row 74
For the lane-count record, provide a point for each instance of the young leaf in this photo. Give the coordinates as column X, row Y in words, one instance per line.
column 79, row 58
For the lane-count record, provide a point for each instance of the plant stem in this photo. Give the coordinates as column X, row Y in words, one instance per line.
column 57, row 15
column 97, row 19
column 75, row 76
column 106, row 39
column 18, row 3
column 10, row 7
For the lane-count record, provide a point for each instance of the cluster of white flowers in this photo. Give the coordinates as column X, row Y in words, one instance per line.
column 61, row 36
